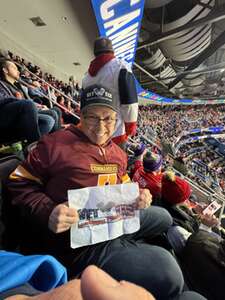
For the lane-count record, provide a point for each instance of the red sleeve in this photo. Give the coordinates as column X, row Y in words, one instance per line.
column 131, row 128
column 137, row 165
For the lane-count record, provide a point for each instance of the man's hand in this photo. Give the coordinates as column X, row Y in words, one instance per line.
column 140, row 157
column 145, row 199
column 96, row 284
column 44, row 107
column 62, row 218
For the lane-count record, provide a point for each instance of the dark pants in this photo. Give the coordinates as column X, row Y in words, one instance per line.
column 130, row 258
column 25, row 289
column 69, row 119
column 19, row 120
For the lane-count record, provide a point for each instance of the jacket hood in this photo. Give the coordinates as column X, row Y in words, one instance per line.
column 99, row 62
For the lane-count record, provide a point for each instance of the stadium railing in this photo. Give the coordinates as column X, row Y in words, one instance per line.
column 52, row 101
column 203, row 195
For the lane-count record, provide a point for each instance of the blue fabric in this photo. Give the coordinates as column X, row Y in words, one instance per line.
column 43, row 272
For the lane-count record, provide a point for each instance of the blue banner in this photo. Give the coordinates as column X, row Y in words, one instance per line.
column 219, row 129
column 120, row 21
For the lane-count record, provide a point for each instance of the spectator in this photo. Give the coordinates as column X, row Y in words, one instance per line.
column 175, row 195
column 67, row 117
column 106, row 69
column 9, row 74
column 64, row 159
column 203, row 263
column 147, row 172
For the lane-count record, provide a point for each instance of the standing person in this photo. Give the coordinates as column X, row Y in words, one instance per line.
column 113, row 73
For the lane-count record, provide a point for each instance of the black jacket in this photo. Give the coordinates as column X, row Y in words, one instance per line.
column 203, row 264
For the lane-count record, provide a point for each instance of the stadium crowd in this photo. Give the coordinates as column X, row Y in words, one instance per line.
column 70, row 89
column 172, row 125
column 172, row 224
column 168, row 122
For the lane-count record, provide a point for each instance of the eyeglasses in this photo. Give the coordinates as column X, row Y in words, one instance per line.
column 95, row 120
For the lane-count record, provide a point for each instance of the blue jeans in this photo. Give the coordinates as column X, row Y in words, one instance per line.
column 130, row 258
column 45, row 122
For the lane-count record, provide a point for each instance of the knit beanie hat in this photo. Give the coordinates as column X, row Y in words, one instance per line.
column 139, row 149
column 175, row 190
column 102, row 45
column 152, row 161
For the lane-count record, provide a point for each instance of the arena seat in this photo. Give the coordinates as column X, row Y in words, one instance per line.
column 8, row 225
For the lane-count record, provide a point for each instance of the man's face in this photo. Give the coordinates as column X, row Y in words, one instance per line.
column 98, row 123
column 11, row 71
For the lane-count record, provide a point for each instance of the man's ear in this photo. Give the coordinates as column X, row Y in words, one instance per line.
column 5, row 70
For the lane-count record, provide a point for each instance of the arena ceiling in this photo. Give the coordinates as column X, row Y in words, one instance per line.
column 66, row 38
column 181, row 49
column 178, row 39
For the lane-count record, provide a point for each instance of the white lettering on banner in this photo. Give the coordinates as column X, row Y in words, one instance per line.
column 117, row 45
column 123, row 34
column 126, row 47
column 127, row 55
column 118, row 23
column 129, row 65
column 106, row 13
column 133, row 2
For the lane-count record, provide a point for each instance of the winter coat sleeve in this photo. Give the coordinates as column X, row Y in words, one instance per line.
column 4, row 101
column 17, row 270
column 5, row 95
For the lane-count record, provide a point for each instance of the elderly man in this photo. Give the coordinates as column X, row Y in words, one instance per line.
column 79, row 157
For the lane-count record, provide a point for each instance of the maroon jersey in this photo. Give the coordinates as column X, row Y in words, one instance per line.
column 62, row 161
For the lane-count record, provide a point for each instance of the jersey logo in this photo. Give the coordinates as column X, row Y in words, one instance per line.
column 105, row 179
column 104, row 169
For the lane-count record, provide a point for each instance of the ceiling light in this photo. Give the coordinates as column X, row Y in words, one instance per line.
column 76, row 63
column 37, row 21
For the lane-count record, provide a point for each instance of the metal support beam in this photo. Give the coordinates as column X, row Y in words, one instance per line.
column 213, row 17
column 214, row 68
column 150, row 75
column 199, row 2
column 213, row 47
column 163, row 19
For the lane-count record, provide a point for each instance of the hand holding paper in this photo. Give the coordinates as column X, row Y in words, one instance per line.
column 62, row 218
column 105, row 212
column 145, row 199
